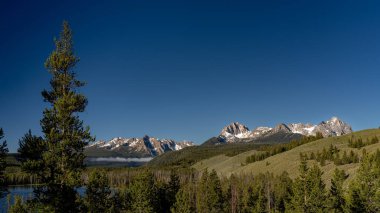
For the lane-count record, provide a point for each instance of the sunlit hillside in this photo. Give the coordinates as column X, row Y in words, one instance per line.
column 289, row 161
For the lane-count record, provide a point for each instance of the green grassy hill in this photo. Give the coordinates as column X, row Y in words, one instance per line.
column 289, row 161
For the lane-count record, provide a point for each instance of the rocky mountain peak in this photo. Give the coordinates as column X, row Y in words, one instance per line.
column 334, row 127
column 335, row 121
column 235, row 129
column 282, row 128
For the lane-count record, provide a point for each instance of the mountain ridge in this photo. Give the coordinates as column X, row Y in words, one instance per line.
column 234, row 133
column 237, row 132
column 134, row 147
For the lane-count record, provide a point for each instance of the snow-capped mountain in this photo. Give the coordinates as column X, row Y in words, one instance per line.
column 135, row 147
column 332, row 127
column 238, row 132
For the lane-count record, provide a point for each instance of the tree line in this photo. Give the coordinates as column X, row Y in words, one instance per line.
column 359, row 143
column 333, row 154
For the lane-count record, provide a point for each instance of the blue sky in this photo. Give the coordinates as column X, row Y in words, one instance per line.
column 185, row 69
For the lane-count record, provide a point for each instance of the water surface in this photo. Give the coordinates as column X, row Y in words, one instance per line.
column 26, row 192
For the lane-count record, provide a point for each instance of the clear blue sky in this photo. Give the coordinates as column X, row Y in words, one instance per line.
column 184, row 69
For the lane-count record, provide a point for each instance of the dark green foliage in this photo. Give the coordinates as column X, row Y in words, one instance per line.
column 31, row 147
column 346, row 159
column 143, row 192
column 309, row 193
column 210, row 195
column 215, row 192
column 185, row 199
column 30, row 151
column 364, row 192
column 359, row 143
column 282, row 192
column 337, row 199
column 122, row 200
column 98, row 193
column 257, row 157
column 333, row 154
column 3, row 164
column 171, row 191
column 261, row 193
column 167, row 192
column 355, row 201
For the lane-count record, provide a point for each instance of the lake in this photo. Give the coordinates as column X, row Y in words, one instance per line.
column 26, row 192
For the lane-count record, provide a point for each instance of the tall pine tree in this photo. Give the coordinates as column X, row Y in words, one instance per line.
column 338, row 202
column 209, row 193
column 317, row 190
column 300, row 190
column 60, row 163
column 309, row 193
column 171, row 191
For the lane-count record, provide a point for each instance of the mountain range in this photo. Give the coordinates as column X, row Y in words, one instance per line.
column 236, row 132
column 233, row 133
column 134, row 147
